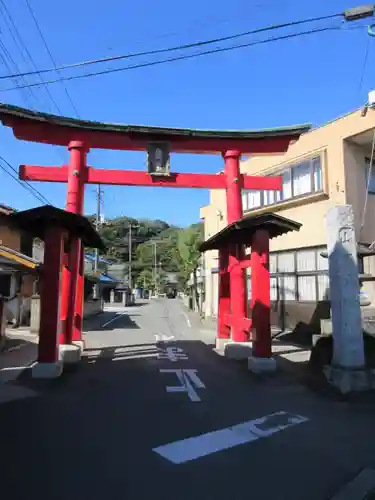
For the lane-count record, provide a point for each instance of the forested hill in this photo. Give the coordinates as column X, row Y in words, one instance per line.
column 176, row 248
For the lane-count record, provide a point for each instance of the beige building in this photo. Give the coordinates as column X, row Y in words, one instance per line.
column 327, row 166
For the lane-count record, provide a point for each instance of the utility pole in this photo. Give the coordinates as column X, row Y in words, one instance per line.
column 130, row 250
column 155, row 265
column 97, row 224
column 130, row 258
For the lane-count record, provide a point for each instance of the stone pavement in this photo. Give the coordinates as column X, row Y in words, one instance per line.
column 19, row 352
column 152, row 411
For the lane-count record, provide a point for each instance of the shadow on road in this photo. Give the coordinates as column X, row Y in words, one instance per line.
column 110, row 320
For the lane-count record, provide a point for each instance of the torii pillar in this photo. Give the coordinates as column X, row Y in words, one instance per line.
column 234, row 253
column 58, row 228
column 71, row 313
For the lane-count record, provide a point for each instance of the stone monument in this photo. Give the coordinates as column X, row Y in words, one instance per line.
column 347, row 371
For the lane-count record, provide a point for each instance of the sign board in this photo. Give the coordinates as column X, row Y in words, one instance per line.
column 158, row 158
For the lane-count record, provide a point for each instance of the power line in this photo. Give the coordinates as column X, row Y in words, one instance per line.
column 20, row 44
column 183, row 57
column 37, row 194
column 364, row 66
column 50, row 55
column 17, row 33
column 177, row 47
column 27, row 183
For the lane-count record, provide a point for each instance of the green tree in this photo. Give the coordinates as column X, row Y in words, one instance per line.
column 145, row 279
column 188, row 244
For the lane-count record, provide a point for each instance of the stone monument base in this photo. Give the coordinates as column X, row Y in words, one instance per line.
column 348, row 379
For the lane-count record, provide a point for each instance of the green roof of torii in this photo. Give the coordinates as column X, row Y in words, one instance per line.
column 9, row 115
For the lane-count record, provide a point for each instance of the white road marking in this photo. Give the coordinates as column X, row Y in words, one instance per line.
column 163, row 338
column 187, row 319
column 187, row 378
column 192, row 448
column 173, row 354
column 114, row 319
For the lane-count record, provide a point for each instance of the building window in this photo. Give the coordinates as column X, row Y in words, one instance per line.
column 323, row 287
column 298, row 180
column 288, row 287
column 306, row 288
column 371, row 181
column 299, row 275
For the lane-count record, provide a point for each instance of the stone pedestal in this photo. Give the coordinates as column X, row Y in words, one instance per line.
column 80, row 344
column 347, row 372
column 69, row 353
column 221, row 343
column 348, row 380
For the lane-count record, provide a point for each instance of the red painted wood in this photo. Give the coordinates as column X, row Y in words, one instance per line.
column 245, row 263
column 70, row 277
column 49, row 297
column 43, row 174
column 259, row 182
column 138, row 178
column 48, row 133
column 260, row 294
column 78, row 310
column 241, row 324
column 237, row 289
column 233, row 180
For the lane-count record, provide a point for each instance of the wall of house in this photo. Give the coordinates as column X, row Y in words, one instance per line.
column 9, row 237
column 343, row 181
column 364, row 208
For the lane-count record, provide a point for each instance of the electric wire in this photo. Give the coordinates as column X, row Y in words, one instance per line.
column 50, row 56
column 25, row 185
column 177, row 47
column 183, row 57
column 17, row 33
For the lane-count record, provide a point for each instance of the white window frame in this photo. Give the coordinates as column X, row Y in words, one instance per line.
column 310, row 266
column 315, row 164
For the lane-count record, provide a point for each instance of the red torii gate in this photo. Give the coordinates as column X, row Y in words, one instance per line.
column 79, row 136
column 254, row 232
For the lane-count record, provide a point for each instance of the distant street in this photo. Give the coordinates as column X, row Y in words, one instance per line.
column 112, row 428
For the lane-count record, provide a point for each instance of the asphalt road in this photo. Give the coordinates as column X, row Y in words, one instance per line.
column 100, row 432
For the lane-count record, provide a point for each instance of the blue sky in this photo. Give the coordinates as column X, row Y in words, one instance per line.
column 309, row 79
